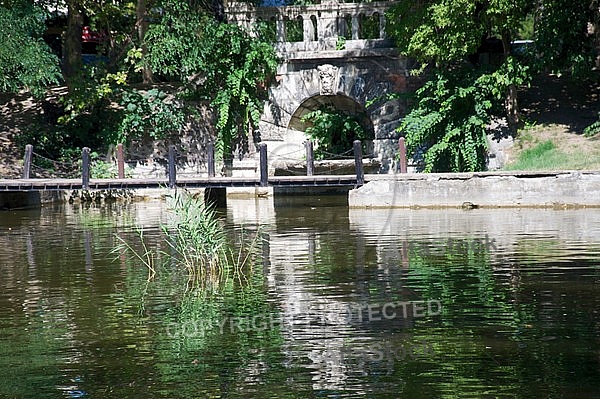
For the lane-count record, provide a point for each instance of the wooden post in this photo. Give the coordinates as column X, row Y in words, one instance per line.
column 85, row 168
column 120, row 161
column 27, row 161
column 172, row 167
column 358, row 163
column 210, row 159
column 402, row 151
column 310, row 158
column 264, row 168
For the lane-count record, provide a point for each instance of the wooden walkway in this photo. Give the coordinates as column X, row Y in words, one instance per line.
column 171, row 181
column 212, row 182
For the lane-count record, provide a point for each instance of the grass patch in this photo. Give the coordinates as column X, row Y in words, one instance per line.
column 554, row 147
column 542, row 156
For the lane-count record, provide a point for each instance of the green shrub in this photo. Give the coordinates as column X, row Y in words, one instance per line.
column 447, row 126
column 148, row 114
column 592, row 129
column 333, row 131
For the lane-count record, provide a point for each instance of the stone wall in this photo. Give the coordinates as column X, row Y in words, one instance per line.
column 486, row 189
column 149, row 158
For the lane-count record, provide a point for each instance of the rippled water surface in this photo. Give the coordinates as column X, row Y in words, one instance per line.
column 339, row 303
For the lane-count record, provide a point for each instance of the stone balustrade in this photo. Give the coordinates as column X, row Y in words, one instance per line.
column 317, row 27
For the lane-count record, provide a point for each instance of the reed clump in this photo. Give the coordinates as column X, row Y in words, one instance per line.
column 196, row 243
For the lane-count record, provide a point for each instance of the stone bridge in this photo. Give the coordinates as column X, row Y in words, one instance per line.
column 333, row 54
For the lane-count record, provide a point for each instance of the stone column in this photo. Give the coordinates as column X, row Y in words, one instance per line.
column 308, row 28
column 327, row 25
column 355, row 26
column 382, row 34
column 280, row 29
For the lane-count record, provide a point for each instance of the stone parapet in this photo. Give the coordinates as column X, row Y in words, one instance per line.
column 316, row 21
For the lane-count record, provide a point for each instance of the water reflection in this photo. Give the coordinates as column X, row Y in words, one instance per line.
column 518, row 314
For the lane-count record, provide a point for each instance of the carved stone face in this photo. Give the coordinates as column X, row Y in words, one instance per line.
column 327, row 75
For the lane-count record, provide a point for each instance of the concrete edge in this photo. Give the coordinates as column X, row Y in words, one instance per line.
column 552, row 190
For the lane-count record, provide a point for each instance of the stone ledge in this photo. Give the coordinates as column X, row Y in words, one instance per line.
column 323, row 55
column 483, row 189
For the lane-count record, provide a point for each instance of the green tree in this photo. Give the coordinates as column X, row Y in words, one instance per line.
column 219, row 62
column 454, row 108
column 148, row 114
column 26, row 62
column 567, row 39
column 435, row 31
column 238, row 68
column 442, row 35
column 567, row 35
column 72, row 43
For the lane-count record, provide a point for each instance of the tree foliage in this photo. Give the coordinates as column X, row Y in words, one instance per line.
column 150, row 113
column 448, row 125
column 449, row 118
column 222, row 63
column 181, row 42
column 240, row 72
column 567, row 35
column 83, row 117
column 175, row 41
column 26, row 61
column 442, row 32
column 435, row 31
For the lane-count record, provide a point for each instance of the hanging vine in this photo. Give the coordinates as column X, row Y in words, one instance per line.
column 447, row 127
column 222, row 63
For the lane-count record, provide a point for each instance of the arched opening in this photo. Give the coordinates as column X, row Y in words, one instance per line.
column 369, row 26
column 268, row 28
column 345, row 26
column 334, row 122
column 313, row 21
column 294, row 29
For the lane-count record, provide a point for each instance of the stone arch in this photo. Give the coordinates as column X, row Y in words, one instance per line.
column 345, row 26
column 364, row 86
column 365, row 83
column 312, row 30
column 270, row 28
column 338, row 102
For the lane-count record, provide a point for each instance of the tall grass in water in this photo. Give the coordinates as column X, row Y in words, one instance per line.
column 198, row 245
column 197, row 239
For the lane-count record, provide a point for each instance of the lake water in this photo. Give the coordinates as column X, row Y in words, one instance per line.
column 341, row 303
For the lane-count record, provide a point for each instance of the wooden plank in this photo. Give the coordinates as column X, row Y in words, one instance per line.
column 215, row 182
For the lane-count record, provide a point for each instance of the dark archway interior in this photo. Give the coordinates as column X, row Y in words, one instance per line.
column 338, row 102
